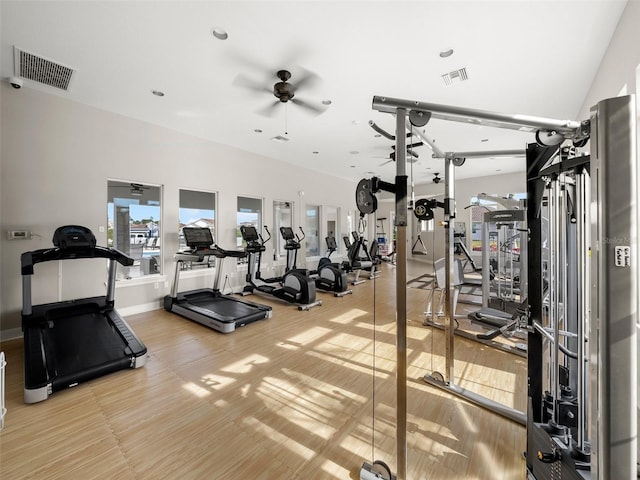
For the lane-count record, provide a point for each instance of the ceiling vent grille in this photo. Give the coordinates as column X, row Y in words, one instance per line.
column 41, row 70
column 459, row 75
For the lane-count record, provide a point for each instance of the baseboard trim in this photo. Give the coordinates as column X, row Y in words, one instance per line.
column 10, row 334
column 135, row 309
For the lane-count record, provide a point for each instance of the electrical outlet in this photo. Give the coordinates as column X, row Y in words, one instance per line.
column 19, row 234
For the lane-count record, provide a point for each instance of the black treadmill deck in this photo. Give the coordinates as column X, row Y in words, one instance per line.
column 213, row 309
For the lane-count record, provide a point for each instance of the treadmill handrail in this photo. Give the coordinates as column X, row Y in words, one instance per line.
column 29, row 259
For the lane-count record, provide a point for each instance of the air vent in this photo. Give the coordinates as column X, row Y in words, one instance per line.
column 41, row 70
column 459, row 75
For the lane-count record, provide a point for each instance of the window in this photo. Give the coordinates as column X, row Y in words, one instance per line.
column 331, row 215
column 133, row 219
column 197, row 209
column 312, row 227
column 283, row 217
column 249, row 212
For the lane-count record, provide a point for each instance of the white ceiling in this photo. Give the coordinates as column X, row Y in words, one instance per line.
column 522, row 57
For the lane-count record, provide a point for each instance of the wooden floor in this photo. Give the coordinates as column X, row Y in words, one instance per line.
column 286, row 398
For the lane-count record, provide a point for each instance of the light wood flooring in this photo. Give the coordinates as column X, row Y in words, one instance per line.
column 286, row 398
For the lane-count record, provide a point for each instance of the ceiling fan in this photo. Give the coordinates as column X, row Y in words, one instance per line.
column 135, row 189
column 284, row 91
column 412, row 156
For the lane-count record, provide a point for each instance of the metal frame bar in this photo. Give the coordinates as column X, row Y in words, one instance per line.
column 401, row 296
column 525, row 123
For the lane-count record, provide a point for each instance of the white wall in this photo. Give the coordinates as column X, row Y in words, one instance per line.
column 56, row 157
column 617, row 71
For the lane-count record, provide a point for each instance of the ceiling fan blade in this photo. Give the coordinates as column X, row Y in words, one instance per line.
column 409, row 151
column 246, row 82
column 269, row 110
column 304, row 78
column 309, row 107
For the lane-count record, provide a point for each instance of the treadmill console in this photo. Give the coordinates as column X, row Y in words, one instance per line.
column 74, row 236
column 197, row 238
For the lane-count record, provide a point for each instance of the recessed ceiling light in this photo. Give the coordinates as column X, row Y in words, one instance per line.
column 219, row 33
column 316, row 153
column 157, row 93
column 498, row 169
column 326, row 102
column 257, row 130
column 354, row 152
column 484, row 140
column 377, row 135
column 356, row 122
column 446, row 53
column 352, row 166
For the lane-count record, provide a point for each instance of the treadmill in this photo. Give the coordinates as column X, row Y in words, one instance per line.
column 73, row 341
column 209, row 306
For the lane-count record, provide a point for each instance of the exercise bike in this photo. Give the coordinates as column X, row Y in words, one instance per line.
column 328, row 277
column 295, row 286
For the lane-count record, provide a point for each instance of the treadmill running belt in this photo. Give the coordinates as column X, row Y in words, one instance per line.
column 224, row 307
column 84, row 341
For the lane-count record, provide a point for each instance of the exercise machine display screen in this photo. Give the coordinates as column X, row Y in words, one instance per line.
column 250, row 233
column 287, row 233
column 197, row 237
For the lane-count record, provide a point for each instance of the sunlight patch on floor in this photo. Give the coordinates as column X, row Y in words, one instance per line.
column 246, row 364
column 281, row 439
column 217, row 382
column 349, row 316
column 196, row 390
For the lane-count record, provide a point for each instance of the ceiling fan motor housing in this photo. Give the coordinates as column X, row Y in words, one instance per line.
column 283, row 91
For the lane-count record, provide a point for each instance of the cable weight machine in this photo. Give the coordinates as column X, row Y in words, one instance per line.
column 599, row 357
column 583, row 291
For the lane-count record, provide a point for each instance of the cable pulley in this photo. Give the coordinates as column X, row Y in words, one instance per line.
column 423, row 209
column 549, row 138
column 366, row 201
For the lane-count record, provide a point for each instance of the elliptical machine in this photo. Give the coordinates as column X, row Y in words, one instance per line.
column 328, row 277
column 295, row 286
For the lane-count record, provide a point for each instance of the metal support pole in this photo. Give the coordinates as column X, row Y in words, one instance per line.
column 583, row 242
column 401, row 295
column 111, row 281
column 486, row 266
column 554, row 293
column 449, row 308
